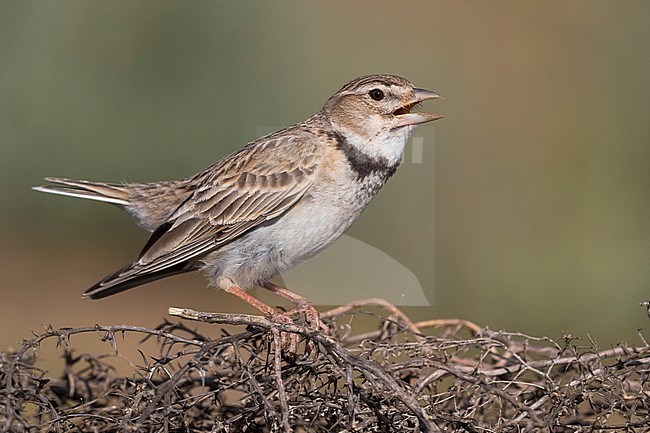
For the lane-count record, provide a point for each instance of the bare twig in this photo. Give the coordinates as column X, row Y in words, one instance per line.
column 277, row 366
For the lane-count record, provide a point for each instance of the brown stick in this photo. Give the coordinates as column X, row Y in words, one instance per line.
column 282, row 393
column 378, row 302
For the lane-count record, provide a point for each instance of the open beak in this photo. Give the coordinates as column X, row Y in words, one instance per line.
column 404, row 116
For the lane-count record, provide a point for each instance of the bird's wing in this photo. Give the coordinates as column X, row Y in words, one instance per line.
column 256, row 184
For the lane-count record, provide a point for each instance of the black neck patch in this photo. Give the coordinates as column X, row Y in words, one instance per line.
column 362, row 164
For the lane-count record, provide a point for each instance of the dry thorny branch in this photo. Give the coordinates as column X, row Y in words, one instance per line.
column 436, row 375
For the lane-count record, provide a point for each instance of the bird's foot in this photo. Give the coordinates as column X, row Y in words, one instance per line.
column 312, row 316
column 289, row 340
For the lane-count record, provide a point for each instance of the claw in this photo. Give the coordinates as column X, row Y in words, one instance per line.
column 312, row 317
column 288, row 340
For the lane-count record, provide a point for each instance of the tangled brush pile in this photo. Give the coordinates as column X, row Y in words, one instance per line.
column 436, row 375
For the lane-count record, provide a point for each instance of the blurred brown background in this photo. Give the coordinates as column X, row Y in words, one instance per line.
column 530, row 210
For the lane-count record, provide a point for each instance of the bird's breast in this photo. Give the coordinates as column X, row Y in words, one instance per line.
column 331, row 204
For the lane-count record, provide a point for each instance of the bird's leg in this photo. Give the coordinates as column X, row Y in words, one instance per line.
column 290, row 341
column 234, row 289
column 303, row 305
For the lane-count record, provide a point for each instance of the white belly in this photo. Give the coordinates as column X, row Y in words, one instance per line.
column 279, row 245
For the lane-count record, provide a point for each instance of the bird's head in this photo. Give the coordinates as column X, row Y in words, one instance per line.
column 374, row 113
column 376, row 104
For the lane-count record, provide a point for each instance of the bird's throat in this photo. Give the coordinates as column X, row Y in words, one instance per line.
column 363, row 164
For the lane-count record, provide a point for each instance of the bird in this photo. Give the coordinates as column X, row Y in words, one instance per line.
column 274, row 203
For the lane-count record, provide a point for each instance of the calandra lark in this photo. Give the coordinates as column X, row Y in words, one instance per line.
column 273, row 203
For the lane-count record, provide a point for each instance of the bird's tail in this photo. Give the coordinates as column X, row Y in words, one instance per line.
column 100, row 191
column 149, row 203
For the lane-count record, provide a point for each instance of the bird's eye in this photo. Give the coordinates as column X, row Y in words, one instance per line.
column 376, row 94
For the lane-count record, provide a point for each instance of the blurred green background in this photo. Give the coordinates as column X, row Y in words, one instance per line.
column 530, row 210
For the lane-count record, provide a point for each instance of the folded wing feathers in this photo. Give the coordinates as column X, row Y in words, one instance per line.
column 223, row 207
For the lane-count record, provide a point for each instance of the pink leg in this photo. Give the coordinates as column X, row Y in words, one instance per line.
column 302, row 304
column 234, row 289
column 289, row 341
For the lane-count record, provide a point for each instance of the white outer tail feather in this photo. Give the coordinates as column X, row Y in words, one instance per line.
column 72, row 193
